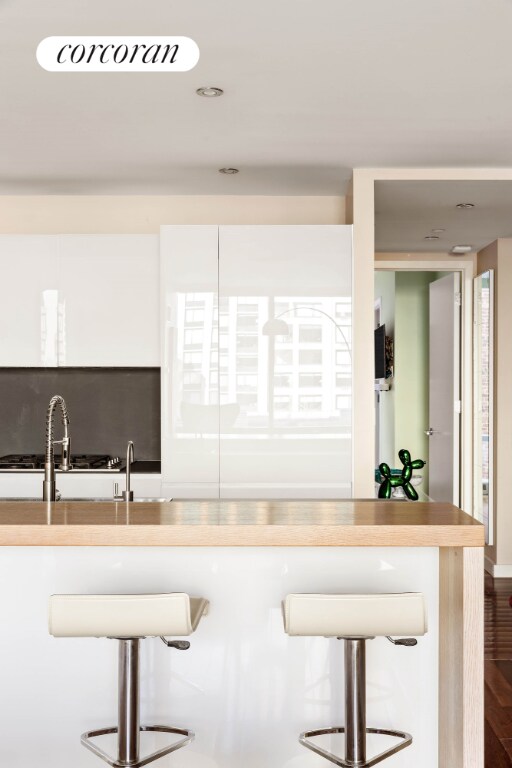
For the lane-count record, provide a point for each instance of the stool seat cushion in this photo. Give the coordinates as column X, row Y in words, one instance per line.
column 355, row 615
column 174, row 614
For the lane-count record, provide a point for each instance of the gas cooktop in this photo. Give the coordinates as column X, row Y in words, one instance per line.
column 82, row 462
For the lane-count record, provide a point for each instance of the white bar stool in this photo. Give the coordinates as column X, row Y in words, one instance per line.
column 128, row 618
column 356, row 619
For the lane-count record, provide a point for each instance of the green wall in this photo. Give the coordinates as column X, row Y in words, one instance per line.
column 385, row 291
column 411, row 381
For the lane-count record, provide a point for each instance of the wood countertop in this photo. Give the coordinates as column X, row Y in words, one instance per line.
column 351, row 523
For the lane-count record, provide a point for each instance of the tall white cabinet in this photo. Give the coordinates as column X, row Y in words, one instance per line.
column 256, row 366
column 79, row 300
column 190, row 368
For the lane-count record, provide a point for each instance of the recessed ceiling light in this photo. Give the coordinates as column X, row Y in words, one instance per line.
column 431, row 237
column 438, row 231
column 209, row 92
column 460, row 250
column 229, row 171
column 465, row 206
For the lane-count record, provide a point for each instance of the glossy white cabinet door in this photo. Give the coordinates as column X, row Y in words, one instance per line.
column 109, row 294
column 189, row 322
column 285, row 368
column 28, row 300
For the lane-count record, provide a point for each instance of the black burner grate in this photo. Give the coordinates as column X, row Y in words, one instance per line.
column 36, row 461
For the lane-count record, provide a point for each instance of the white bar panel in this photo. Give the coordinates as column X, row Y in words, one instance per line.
column 189, row 359
column 244, row 687
column 285, row 368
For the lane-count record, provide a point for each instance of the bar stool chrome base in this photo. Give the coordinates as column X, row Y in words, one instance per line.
column 116, row 763
column 406, row 740
column 355, row 729
column 129, row 729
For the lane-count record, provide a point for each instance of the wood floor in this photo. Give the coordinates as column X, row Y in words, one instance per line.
column 498, row 673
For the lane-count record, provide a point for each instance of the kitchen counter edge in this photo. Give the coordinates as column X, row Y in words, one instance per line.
column 367, row 523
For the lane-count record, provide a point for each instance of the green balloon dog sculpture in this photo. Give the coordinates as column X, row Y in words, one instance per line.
column 400, row 481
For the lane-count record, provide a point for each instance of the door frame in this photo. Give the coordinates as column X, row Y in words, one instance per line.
column 360, row 211
column 466, row 267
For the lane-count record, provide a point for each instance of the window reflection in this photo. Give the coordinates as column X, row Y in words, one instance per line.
column 298, row 380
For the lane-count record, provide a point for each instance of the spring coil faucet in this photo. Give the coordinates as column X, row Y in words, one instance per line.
column 49, row 489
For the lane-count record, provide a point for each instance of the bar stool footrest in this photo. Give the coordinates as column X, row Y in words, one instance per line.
column 406, row 740
column 88, row 735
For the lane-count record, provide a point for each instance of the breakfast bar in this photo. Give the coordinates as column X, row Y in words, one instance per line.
column 245, row 688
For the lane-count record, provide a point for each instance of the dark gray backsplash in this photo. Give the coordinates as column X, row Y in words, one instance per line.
column 107, row 407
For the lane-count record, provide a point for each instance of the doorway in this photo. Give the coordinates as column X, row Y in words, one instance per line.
column 418, row 401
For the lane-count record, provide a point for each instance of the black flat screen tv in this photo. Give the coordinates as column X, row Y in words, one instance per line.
column 380, row 352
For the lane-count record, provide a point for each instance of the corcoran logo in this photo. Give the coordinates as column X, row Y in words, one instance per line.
column 117, row 54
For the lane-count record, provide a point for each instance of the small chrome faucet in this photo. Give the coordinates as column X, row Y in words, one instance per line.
column 49, row 490
column 127, row 495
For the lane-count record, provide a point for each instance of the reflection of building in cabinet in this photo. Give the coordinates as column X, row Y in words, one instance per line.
column 197, row 347
column 312, row 359
column 312, row 363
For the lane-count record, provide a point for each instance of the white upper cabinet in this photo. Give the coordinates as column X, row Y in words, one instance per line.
column 29, row 300
column 79, row 300
column 257, row 361
column 109, row 297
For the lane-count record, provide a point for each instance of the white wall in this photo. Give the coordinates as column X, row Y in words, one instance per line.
column 136, row 214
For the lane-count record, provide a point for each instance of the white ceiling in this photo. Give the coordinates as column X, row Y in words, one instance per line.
column 407, row 211
column 312, row 89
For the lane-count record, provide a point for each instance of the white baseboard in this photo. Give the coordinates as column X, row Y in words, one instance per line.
column 498, row 571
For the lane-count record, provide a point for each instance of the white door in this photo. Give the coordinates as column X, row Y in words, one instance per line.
column 483, row 401
column 109, row 297
column 444, row 389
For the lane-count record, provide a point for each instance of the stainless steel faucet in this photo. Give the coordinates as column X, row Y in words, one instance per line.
column 127, row 494
column 49, row 489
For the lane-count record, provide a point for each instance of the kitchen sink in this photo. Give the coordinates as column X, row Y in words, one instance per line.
column 138, row 499
column 97, row 499
column 146, row 499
